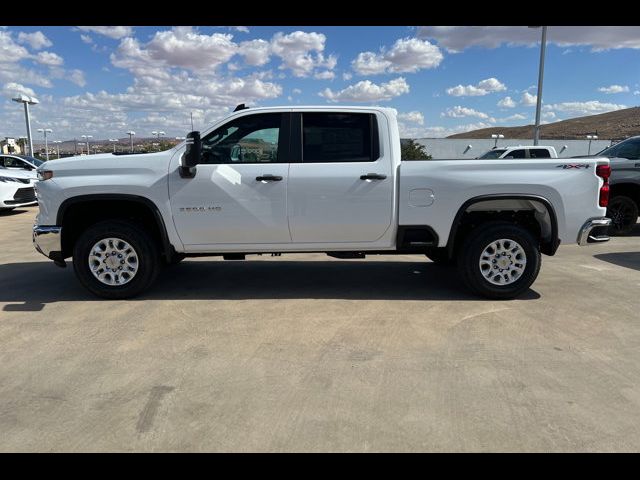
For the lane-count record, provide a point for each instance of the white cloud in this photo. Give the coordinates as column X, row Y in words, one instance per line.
column 412, row 117
column 511, row 118
column 86, row 38
column 184, row 47
column 77, row 76
column 507, row 102
column 12, row 88
column 456, row 39
column 326, row 75
column 584, row 108
column 636, row 92
column 484, row 87
column 301, row 52
column 614, row 89
column 255, row 52
column 529, row 100
column 49, row 58
column 367, row 91
column 36, row 40
column 111, row 32
column 406, row 55
column 347, row 76
column 241, row 29
column 548, row 115
column 296, row 91
column 460, row 112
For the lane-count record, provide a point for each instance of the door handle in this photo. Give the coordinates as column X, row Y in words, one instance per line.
column 373, row 176
column 269, row 178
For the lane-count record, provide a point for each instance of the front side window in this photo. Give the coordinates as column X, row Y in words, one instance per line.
column 339, row 137
column 539, row 153
column 248, row 139
column 491, row 154
column 516, row 154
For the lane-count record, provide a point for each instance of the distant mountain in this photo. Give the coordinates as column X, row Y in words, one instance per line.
column 610, row 126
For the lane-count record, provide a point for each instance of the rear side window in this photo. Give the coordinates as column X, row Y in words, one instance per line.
column 539, row 153
column 516, row 154
column 339, row 137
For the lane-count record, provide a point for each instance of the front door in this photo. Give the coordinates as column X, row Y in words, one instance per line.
column 342, row 189
column 239, row 193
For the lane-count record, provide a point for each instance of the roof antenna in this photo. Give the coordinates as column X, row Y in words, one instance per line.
column 242, row 106
column 192, row 121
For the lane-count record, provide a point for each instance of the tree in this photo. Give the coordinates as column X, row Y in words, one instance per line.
column 411, row 150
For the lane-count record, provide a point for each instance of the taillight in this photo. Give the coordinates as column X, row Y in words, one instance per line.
column 604, row 172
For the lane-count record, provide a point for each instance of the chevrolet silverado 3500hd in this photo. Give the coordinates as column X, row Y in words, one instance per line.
column 313, row 179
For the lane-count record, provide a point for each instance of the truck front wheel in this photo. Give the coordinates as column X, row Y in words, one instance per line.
column 499, row 260
column 115, row 259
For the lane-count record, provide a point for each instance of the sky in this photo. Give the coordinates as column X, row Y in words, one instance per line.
column 105, row 81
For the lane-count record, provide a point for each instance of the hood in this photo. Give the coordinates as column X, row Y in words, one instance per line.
column 110, row 161
column 23, row 174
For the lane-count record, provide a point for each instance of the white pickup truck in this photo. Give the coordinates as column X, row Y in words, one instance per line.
column 312, row 179
column 520, row 151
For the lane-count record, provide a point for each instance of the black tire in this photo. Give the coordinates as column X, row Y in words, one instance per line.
column 623, row 212
column 441, row 257
column 147, row 252
column 475, row 243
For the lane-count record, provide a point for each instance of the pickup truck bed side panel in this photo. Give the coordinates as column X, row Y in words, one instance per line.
column 455, row 181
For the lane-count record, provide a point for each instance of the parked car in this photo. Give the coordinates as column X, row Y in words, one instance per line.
column 16, row 189
column 20, row 162
column 520, row 151
column 624, row 202
column 319, row 179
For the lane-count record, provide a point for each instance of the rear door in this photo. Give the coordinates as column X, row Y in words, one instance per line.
column 341, row 190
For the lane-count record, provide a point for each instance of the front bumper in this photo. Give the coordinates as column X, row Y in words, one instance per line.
column 48, row 241
column 594, row 231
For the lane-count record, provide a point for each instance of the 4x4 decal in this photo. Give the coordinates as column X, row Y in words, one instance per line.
column 572, row 165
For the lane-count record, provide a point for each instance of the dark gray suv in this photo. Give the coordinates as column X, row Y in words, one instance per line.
column 624, row 200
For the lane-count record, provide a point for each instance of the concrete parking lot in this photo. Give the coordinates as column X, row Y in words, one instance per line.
column 310, row 353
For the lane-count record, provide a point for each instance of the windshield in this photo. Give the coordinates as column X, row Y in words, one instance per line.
column 493, row 154
column 629, row 149
column 33, row 160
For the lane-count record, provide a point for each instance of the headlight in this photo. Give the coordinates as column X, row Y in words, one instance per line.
column 44, row 175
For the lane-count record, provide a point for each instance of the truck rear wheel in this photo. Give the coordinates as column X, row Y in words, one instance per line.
column 499, row 260
column 115, row 259
column 623, row 213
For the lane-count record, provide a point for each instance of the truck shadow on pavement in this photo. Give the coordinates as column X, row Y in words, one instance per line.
column 622, row 259
column 30, row 286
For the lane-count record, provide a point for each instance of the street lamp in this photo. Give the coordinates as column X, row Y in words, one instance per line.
column 114, row 141
column 46, row 144
column 496, row 136
column 543, row 43
column 158, row 134
column 27, row 100
column 131, row 134
column 58, row 142
column 591, row 137
column 87, row 137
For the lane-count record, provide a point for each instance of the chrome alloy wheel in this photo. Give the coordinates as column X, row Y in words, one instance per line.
column 502, row 262
column 113, row 261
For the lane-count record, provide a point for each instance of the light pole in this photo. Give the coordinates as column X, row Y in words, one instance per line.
column 114, row 141
column 27, row 100
column 158, row 134
column 46, row 144
column 87, row 137
column 543, row 43
column 131, row 134
column 591, row 137
column 58, row 142
column 496, row 136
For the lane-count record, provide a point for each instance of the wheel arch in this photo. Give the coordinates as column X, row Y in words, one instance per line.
column 75, row 214
column 548, row 223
